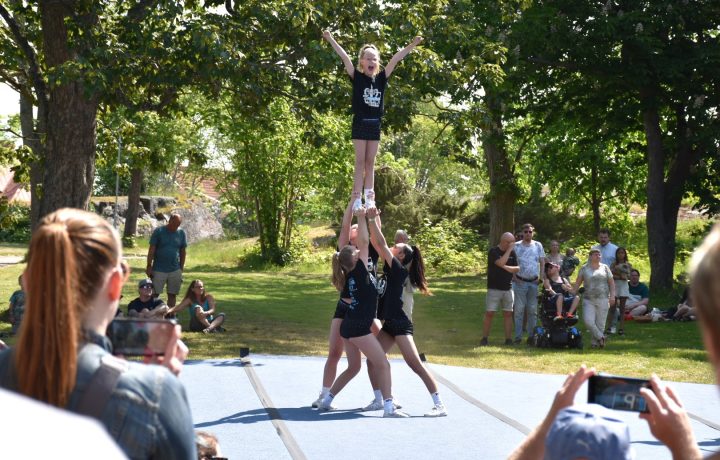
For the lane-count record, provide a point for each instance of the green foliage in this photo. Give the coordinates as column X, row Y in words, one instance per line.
column 448, row 247
column 14, row 222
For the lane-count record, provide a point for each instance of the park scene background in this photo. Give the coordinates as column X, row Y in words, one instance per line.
column 570, row 115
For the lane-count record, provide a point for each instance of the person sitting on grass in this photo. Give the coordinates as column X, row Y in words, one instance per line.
column 639, row 298
column 560, row 291
column 202, row 309
column 17, row 307
column 145, row 305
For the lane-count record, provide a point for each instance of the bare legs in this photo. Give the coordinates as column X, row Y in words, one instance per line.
column 507, row 323
column 335, row 351
column 371, row 348
column 365, row 153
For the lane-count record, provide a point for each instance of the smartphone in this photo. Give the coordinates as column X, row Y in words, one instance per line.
column 140, row 337
column 619, row 393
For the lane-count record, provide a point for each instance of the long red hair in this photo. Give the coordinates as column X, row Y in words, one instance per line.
column 70, row 253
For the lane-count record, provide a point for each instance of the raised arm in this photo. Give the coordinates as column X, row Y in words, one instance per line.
column 362, row 239
column 347, row 62
column 400, row 55
column 377, row 238
column 344, row 237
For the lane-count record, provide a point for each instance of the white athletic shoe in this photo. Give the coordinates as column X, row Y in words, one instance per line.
column 357, row 204
column 438, row 410
column 369, row 203
column 374, row 405
column 317, row 402
column 395, row 414
column 324, row 407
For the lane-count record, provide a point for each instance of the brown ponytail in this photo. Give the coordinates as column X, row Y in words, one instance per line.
column 342, row 264
column 416, row 271
column 69, row 256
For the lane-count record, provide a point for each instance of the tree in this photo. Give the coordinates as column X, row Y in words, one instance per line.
column 638, row 66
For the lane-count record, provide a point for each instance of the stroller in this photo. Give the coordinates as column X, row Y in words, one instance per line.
column 553, row 333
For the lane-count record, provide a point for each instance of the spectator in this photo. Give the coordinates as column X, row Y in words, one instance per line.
column 621, row 273
column 639, row 296
column 73, row 280
column 147, row 306
column 554, row 255
column 531, row 257
column 202, row 309
column 667, row 418
column 208, row 447
column 166, row 258
column 599, row 294
column 560, row 290
column 586, row 431
column 684, row 311
column 607, row 249
column 502, row 264
column 569, row 263
column 17, row 307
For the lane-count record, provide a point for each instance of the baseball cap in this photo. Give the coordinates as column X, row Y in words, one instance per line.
column 588, row 431
column 145, row 282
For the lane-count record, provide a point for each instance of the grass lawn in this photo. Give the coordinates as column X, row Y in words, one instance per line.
column 288, row 311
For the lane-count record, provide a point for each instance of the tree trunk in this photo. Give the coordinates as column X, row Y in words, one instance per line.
column 503, row 191
column 664, row 196
column 71, row 121
column 31, row 139
column 133, row 202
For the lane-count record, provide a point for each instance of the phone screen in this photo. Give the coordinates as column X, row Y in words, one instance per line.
column 140, row 337
column 619, row 393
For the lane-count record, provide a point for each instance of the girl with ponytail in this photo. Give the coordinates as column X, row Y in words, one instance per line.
column 402, row 263
column 73, row 281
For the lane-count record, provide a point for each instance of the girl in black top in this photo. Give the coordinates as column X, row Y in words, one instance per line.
column 350, row 269
column 403, row 261
column 561, row 291
column 369, row 83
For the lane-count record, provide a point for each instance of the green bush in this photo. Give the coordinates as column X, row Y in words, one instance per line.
column 448, row 247
column 14, row 222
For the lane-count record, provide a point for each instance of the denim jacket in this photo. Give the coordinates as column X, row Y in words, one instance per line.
column 148, row 414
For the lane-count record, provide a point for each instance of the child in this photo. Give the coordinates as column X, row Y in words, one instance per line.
column 569, row 263
column 621, row 274
column 17, row 307
column 369, row 83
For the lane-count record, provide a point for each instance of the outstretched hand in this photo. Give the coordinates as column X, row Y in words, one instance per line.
column 373, row 212
column 361, row 211
column 326, row 35
column 668, row 420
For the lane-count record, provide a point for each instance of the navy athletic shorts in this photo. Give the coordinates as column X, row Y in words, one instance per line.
column 354, row 328
column 366, row 128
column 395, row 327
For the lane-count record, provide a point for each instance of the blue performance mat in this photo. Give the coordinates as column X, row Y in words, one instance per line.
column 260, row 409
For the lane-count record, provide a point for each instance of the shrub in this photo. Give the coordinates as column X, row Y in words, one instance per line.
column 14, row 222
column 448, row 247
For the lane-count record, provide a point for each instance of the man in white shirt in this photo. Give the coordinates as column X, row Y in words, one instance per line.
column 607, row 249
column 530, row 256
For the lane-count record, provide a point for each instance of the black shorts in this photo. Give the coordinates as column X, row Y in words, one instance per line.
column 341, row 309
column 366, row 128
column 395, row 327
column 354, row 328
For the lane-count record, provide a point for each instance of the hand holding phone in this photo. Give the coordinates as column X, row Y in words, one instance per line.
column 140, row 336
column 619, row 393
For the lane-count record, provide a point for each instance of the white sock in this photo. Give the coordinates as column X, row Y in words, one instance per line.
column 388, row 404
column 327, row 399
column 369, row 194
column 324, row 391
column 436, row 399
column 378, row 396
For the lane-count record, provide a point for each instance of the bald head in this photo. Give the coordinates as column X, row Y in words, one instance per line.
column 506, row 240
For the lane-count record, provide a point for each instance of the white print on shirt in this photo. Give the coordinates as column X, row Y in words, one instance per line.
column 352, row 289
column 372, row 96
column 529, row 259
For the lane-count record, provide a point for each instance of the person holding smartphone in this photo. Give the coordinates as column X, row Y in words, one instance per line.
column 74, row 279
column 668, row 420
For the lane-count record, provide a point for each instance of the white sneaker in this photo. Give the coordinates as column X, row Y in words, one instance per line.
column 317, row 402
column 357, row 204
column 395, row 414
column 369, row 203
column 437, row 411
column 613, row 330
column 374, row 405
column 322, row 406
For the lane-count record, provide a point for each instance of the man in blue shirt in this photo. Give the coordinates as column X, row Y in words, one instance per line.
column 166, row 258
